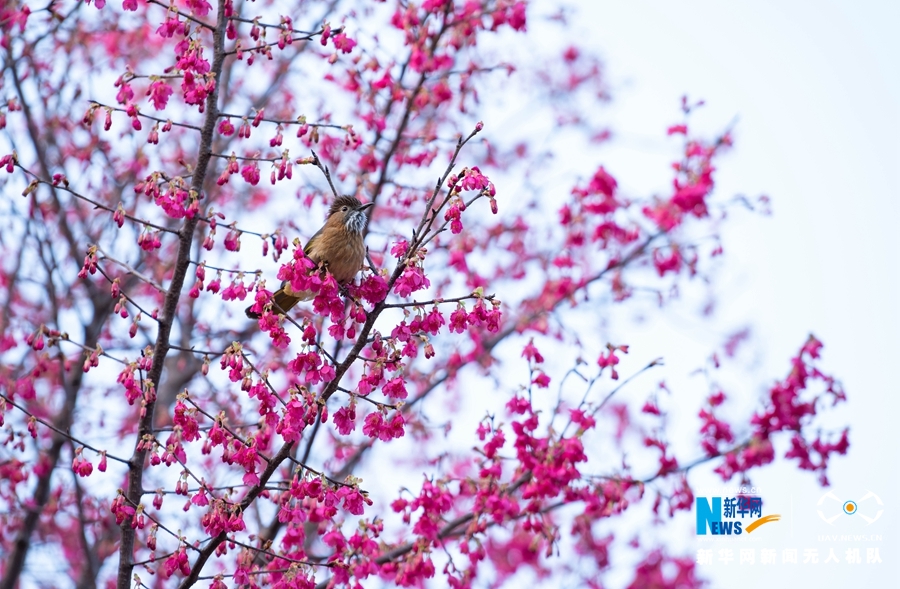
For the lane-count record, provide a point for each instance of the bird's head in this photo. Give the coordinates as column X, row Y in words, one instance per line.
column 349, row 212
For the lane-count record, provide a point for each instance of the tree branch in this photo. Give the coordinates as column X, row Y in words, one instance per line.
column 135, row 489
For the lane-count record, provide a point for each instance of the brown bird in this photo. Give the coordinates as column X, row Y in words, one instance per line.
column 338, row 246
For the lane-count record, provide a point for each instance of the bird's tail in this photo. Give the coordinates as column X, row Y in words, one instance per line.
column 282, row 302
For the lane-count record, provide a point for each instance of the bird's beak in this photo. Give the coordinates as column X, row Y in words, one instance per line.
column 365, row 206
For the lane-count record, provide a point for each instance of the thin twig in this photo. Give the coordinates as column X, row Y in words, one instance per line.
column 318, row 163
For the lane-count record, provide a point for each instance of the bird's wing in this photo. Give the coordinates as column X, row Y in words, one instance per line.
column 311, row 244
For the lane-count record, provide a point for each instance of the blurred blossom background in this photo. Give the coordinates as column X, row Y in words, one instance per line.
column 813, row 89
column 811, row 94
column 810, row 91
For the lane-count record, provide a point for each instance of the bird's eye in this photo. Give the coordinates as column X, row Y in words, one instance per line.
column 344, row 208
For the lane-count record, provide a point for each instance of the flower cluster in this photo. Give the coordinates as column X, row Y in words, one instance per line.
column 790, row 407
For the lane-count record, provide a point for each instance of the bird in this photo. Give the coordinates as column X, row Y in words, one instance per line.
column 338, row 246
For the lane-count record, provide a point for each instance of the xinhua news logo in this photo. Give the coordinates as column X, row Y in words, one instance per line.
column 727, row 516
